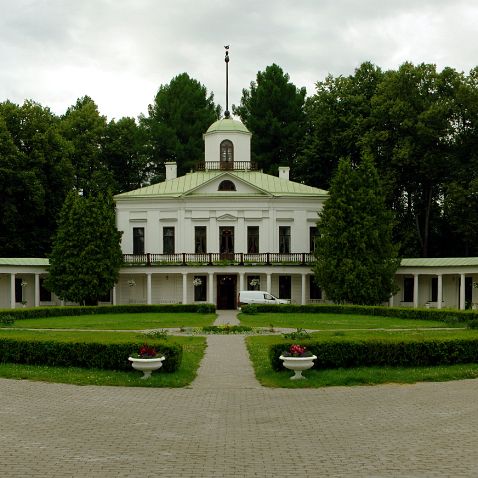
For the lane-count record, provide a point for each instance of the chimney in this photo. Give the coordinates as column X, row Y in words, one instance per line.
column 171, row 171
column 284, row 172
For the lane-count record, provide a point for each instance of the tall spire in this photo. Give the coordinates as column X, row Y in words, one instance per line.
column 226, row 59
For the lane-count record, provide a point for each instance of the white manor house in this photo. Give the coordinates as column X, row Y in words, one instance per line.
column 226, row 227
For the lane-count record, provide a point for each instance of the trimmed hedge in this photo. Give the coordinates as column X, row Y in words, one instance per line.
column 84, row 355
column 444, row 315
column 346, row 354
column 58, row 311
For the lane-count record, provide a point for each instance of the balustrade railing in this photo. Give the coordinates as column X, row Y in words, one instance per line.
column 218, row 259
column 223, row 166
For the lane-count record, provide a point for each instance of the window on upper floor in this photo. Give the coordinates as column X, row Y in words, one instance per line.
column 226, row 154
column 252, row 239
column 226, row 185
column 200, row 243
column 284, row 239
column 168, row 240
column 138, row 240
column 313, row 234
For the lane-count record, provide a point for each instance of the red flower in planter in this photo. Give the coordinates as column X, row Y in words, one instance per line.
column 145, row 352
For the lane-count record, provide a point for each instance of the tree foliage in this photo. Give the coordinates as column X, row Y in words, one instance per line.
column 356, row 259
column 86, row 255
column 35, row 177
column 182, row 111
column 273, row 111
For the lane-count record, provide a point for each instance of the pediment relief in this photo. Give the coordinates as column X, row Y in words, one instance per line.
column 226, row 218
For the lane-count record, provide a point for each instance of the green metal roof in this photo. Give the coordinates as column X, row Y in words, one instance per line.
column 439, row 262
column 189, row 184
column 228, row 125
column 23, row 261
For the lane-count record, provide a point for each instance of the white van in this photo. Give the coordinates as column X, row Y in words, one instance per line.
column 258, row 297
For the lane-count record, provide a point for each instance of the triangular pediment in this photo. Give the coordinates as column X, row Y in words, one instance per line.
column 243, row 187
column 226, row 218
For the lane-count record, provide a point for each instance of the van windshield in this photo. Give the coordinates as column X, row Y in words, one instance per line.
column 268, row 297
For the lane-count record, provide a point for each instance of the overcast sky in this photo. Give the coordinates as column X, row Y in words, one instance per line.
column 120, row 51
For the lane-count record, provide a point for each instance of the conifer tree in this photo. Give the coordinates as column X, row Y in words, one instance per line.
column 356, row 259
column 86, row 255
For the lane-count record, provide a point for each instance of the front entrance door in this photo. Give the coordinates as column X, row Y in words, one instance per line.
column 226, row 291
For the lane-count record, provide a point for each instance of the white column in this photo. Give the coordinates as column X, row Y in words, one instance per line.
column 210, row 287
column 440, row 291
column 462, row 291
column 148, row 289
column 415, row 290
column 304, row 285
column 185, row 288
column 269, row 283
column 12, row 291
column 114, row 295
column 390, row 301
column 241, row 281
column 37, row 290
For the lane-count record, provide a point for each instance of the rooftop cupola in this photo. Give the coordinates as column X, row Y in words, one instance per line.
column 227, row 142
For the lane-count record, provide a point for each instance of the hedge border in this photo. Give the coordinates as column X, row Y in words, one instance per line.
column 83, row 354
column 365, row 353
column 61, row 311
column 445, row 315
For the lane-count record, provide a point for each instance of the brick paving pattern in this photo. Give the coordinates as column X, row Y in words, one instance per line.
column 226, row 425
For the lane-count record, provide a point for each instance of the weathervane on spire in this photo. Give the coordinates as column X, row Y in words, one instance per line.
column 226, row 59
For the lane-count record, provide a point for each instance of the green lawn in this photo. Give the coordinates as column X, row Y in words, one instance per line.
column 140, row 321
column 193, row 351
column 336, row 321
column 258, row 347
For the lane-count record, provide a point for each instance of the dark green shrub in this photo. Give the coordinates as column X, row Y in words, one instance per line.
column 85, row 355
column 472, row 324
column 206, row 308
column 250, row 309
column 57, row 311
column 341, row 353
column 382, row 311
column 6, row 320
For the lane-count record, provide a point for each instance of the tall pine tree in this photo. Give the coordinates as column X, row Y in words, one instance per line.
column 356, row 259
column 86, row 256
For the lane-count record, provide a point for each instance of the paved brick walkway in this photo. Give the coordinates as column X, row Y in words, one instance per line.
column 226, row 425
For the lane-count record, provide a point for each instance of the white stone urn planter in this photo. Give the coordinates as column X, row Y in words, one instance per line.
column 298, row 365
column 146, row 365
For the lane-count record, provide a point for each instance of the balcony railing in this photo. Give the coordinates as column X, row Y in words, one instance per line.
column 222, row 166
column 219, row 259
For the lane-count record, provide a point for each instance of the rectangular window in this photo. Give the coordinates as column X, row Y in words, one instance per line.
column 226, row 239
column 408, row 285
column 284, row 239
column 200, row 244
column 315, row 292
column 253, row 283
column 312, row 238
column 252, row 239
column 434, row 291
column 285, row 287
column 168, row 240
column 45, row 294
column 138, row 240
column 18, row 290
column 200, row 288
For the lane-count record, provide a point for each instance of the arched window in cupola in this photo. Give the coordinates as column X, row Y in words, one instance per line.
column 226, row 185
column 226, row 154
